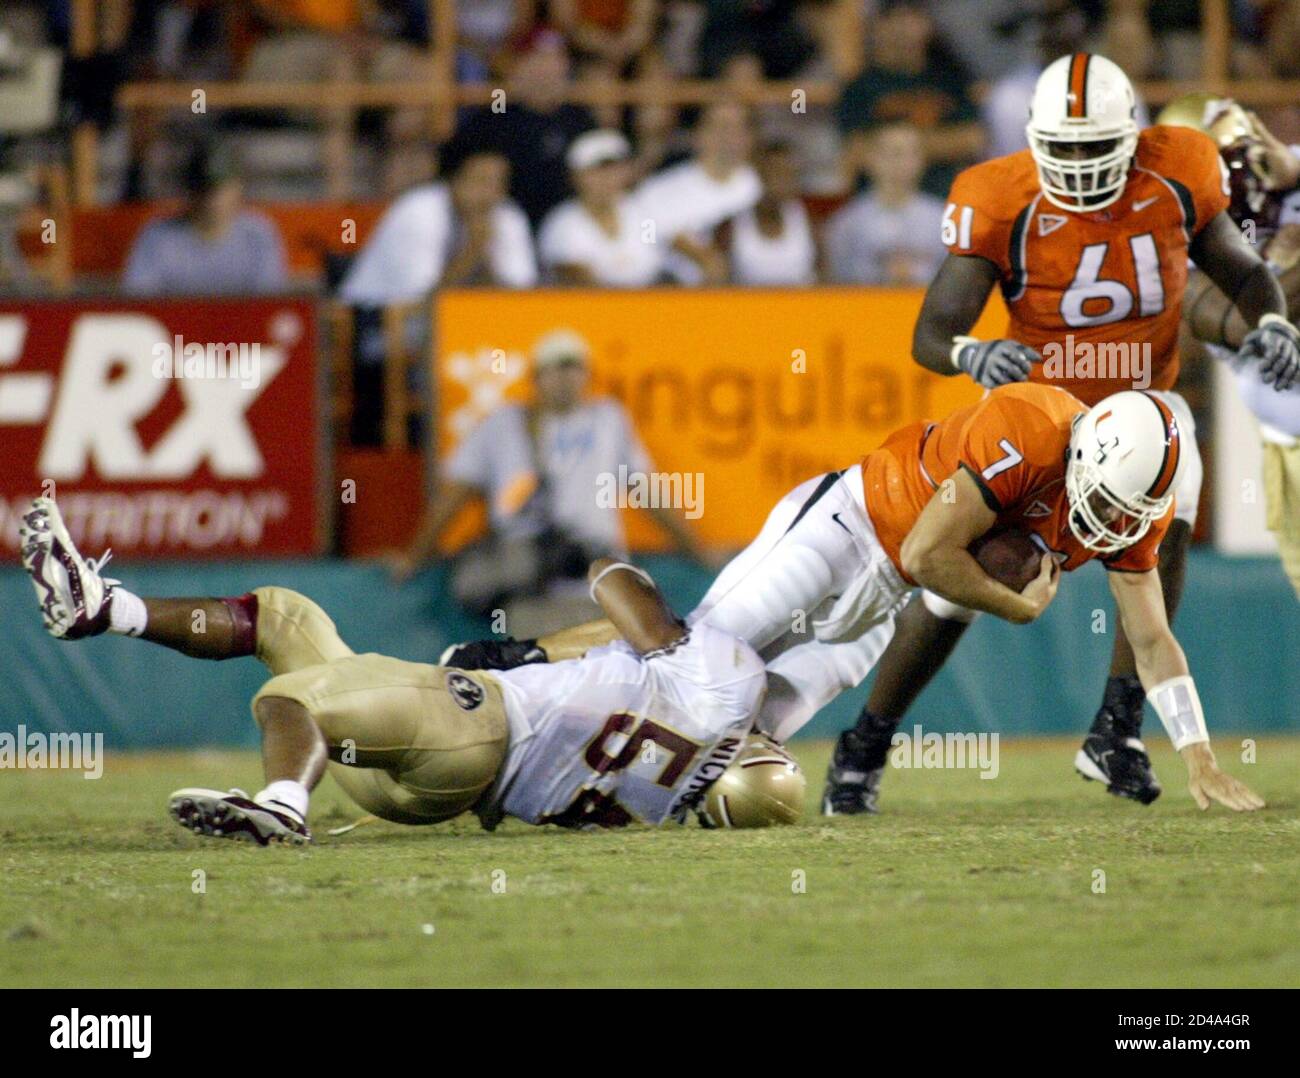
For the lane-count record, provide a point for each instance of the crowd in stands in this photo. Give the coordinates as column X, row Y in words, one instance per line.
column 533, row 188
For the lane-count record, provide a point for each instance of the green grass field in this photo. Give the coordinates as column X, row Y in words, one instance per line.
column 960, row 882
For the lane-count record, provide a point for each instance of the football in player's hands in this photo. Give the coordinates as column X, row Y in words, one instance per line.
column 1009, row 555
column 996, row 363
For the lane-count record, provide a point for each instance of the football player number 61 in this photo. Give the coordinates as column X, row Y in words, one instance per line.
column 1087, row 287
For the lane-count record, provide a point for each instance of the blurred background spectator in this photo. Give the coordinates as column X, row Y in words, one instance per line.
column 889, row 234
column 688, row 201
column 215, row 245
column 533, row 125
column 599, row 238
column 462, row 232
column 772, row 244
column 911, row 75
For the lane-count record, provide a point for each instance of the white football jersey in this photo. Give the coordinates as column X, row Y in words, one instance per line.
column 616, row 738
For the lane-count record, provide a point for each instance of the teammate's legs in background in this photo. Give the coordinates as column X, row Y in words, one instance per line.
column 1282, row 503
column 925, row 634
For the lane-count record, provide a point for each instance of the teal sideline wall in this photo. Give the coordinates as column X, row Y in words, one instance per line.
column 1240, row 625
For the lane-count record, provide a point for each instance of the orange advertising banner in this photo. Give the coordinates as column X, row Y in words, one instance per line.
column 754, row 390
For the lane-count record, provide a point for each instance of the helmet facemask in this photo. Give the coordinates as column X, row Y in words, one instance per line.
column 1101, row 521
column 1082, row 173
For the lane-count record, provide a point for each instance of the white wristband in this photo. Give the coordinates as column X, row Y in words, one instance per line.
column 1179, row 707
column 611, row 568
column 958, row 343
column 1267, row 317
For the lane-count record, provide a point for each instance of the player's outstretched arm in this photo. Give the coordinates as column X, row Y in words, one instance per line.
column 952, row 306
column 633, row 605
column 1162, row 666
column 935, row 555
column 1257, row 317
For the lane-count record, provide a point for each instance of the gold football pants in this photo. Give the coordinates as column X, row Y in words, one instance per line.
column 408, row 742
column 1282, row 504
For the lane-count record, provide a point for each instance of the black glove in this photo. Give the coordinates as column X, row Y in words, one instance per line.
column 1275, row 345
column 995, row 363
column 493, row 654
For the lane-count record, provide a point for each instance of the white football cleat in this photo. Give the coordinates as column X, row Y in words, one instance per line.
column 73, row 596
column 233, row 814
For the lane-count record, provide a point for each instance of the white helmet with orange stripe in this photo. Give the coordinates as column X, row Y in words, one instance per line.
column 1124, row 460
column 1082, row 131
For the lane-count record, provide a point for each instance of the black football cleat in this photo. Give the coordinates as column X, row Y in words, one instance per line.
column 1118, row 759
column 493, row 654
column 853, row 778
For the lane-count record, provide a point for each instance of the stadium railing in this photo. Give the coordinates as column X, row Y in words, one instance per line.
column 442, row 95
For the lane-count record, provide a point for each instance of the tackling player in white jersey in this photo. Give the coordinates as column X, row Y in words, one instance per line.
column 641, row 730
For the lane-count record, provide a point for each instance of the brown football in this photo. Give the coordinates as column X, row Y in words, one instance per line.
column 1008, row 555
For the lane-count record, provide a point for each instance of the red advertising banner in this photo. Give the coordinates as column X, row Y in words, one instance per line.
column 175, row 428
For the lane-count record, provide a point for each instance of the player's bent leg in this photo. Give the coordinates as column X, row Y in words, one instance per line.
column 806, row 676
column 293, row 632
column 925, row 634
column 433, row 738
column 795, row 563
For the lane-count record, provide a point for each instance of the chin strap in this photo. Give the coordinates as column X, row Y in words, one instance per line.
column 1179, row 707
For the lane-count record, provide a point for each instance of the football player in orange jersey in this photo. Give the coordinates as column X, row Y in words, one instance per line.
column 818, row 591
column 1088, row 233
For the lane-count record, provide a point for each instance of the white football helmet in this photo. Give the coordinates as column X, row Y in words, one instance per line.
column 1124, row 460
column 1082, row 131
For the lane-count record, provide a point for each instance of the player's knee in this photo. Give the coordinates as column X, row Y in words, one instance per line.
column 947, row 610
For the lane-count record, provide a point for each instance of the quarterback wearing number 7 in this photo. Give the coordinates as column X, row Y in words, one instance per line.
column 818, row 591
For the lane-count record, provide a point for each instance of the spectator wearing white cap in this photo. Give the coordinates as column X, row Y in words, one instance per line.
column 599, row 238
column 463, row 232
column 540, row 467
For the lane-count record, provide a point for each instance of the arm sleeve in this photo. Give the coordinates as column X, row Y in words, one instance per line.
column 1203, row 173
column 971, row 224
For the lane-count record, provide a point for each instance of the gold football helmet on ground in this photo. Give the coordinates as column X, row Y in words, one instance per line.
column 763, row 786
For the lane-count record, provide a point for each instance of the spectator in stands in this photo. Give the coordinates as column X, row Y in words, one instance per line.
column 889, row 235
column 614, row 31
column 215, row 245
column 484, row 28
column 766, row 28
column 541, row 468
column 535, row 127
column 462, row 232
column 1060, row 27
column 688, row 201
column 598, row 238
column 910, row 76
column 772, row 244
